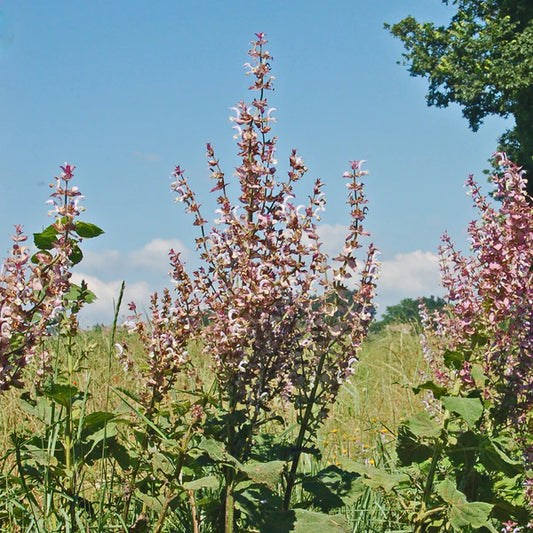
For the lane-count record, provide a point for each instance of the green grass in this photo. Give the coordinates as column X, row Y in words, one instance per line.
column 361, row 425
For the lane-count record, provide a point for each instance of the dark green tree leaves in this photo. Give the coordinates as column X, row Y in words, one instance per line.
column 483, row 61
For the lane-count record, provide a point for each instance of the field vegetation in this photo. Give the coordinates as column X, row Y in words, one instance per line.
column 255, row 395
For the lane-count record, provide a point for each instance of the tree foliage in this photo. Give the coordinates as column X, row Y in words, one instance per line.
column 407, row 312
column 483, row 61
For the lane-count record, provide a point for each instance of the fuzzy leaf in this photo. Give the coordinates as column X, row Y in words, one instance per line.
column 478, row 376
column 207, row 482
column 422, row 425
column 218, row 453
column 494, row 458
column 334, row 487
column 410, row 449
column 76, row 255
column 302, row 521
column 152, row 502
column 41, row 456
column 437, row 390
column 64, row 395
column 463, row 513
column 373, row 477
column 469, row 409
column 453, row 359
column 40, row 408
column 37, row 257
column 266, row 473
column 76, row 292
column 379, row 479
column 258, row 503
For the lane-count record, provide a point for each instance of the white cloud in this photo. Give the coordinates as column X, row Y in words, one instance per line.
column 154, row 255
column 146, row 268
column 106, row 259
column 411, row 272
column 152, row 258
column 408, row 275
column 101, row 311
column 333, row 238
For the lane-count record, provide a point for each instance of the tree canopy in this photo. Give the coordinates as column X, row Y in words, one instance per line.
column 407, row 312
column 483, row 61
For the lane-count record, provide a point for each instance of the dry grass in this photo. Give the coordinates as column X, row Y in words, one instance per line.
column 377, row 398
column 369, row 408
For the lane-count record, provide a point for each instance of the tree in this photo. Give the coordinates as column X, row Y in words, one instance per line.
column 483, row 61
column 407, row 312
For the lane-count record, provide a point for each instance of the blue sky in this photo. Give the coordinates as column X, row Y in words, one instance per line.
column 127, row 90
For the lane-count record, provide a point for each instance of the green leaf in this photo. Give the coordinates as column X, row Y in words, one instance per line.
column 478, row 339
column 307, row 520
column 218, row 453
column 422, row 425
column 478, row 376
column 78, row 292
column 495, row 459
column 257, row 502
column 121, row 454
column 152, row 502
column 87, row 230
column 453, row 359
column 41, row 456
column 35, row 257
column 266, row 473
column 207, row 482
column 62, row 394
column 463, row 513
column 324, row 498
column 302, row 521
column 334, row 487
column 409, row 449
column 437, row 390
column 373, row 477
column 46, row 239
column 97, row 418
column 41, row 408
column 379, row 479
column 76, row 255
column 469, row 409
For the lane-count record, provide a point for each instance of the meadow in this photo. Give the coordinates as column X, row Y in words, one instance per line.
column 255, row 395
column 361, row 426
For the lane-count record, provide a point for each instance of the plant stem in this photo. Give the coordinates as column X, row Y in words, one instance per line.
column 194, row 512
column 229, row 509
column 177, row 473
column 106, row 409
column 291, row 478
column 229, row 474
column 163, row 513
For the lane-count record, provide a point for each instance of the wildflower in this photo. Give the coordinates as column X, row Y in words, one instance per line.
column 33, row 293
column 510, row 527
column 489, row 313
column 267, row 284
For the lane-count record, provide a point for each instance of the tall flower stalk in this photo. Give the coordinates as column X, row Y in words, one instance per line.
column 278, row 318
column 33, row 289
column 485, row 334
column 38, row 300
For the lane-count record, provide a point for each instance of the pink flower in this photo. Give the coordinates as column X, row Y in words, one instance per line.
column 261, row 306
